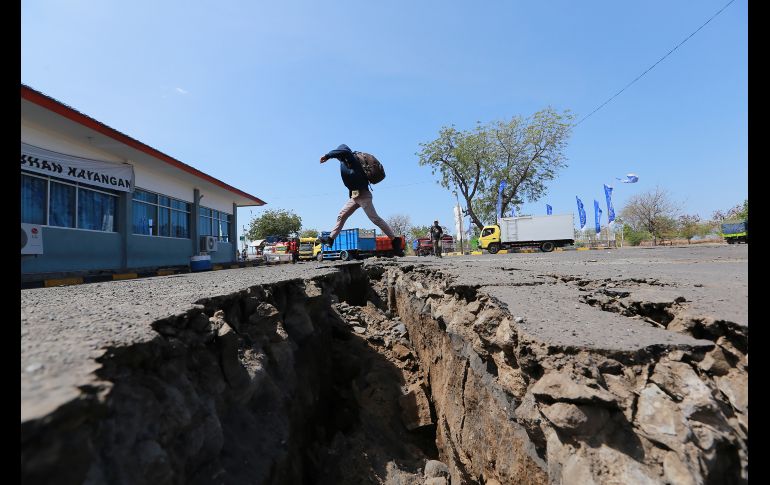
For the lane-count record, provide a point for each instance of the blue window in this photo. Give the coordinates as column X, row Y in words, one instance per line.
column 214, row 223
column 96, row 210
column 145, row 218
column 54, row 202
column 179, row 224
column 34, row 199
column 159, row 215
column 61, row 211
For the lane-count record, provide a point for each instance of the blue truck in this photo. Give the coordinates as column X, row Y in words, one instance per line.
column 349, row 244
column 736, row 232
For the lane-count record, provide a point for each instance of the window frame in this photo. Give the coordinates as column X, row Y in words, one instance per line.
column 215, row 223
column 158, row 206
column 78, row 186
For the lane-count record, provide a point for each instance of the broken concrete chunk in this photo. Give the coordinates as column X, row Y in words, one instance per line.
column 401, row 351
column 735, row 386
column 415, row 409
column 659, row 418
column 557, row 386
column 435, row 468
column 565, row 416
column 674, row 471
column 610, row 366
column 576, row 419
column 715, row 362
column 436, row 481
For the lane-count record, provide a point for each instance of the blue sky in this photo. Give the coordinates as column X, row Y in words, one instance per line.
column 255, row 92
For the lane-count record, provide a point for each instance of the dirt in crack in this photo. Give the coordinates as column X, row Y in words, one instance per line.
column 376, row 425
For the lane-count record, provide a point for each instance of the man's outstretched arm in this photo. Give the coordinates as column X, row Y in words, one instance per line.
column 340, row 155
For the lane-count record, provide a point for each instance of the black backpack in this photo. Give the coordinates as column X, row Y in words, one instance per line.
column 371, row 166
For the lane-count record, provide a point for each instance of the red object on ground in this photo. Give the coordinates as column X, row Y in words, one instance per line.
column 384, row 243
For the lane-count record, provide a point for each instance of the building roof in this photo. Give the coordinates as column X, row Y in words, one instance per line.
column 62, row 109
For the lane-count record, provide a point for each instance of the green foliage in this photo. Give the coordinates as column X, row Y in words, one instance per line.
column 738, row 213
column 416, row 232
column 525, row 153
column 665, row 229
column 309, row 233
column 633, row 237
column 744, row 212
column 691, row 226
column 274, row 222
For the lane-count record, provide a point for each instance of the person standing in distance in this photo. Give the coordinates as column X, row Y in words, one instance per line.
column 435, row 235
column 355, row 180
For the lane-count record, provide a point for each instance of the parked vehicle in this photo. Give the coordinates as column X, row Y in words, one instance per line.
column 425, row 245
column 306, row 246
column 349, row 244
column 736, row 232
column 545, row 232
column 384, row 245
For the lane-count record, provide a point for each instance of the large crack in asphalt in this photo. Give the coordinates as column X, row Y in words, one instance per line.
column 392, row 373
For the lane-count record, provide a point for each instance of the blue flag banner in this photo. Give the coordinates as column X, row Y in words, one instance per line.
column 548, row 209
column 630, row 179
column 597, row 216
column 581, row 212
column 500, row 199
column 610, row 210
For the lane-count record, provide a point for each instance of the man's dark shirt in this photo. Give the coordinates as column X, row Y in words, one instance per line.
column 353, row 175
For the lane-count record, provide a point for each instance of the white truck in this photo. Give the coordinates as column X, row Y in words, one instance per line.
column 546, row 232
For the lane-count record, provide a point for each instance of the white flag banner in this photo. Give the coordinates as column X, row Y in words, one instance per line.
column 110, row 175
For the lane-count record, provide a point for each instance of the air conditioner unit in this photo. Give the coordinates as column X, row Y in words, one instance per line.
column 208, row 244
column 31, row 239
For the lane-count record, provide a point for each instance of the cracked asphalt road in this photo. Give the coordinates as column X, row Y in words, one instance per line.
column 544, row 290
column 63, row 330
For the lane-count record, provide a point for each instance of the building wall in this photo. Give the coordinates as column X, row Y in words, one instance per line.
column 151, row 251
column 74, row 250
column 223, row 254
column 40, row 136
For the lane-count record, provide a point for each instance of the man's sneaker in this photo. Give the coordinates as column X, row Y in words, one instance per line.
column 326, row 240
column 397, row 249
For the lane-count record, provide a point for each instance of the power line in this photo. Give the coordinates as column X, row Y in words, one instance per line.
column 337, row 192
column 651, row 67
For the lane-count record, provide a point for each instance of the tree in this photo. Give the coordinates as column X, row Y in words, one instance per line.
column 691, row 226
column 274, row 222
column 744, row 212
column 665, row 229
column 634, row 237
column 400, row 223
column 416, row 232
column 524, row 153
column 309, row 233
column 738, row 213
column 651, row 212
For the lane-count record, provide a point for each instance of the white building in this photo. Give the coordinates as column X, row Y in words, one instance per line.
column 101, row 201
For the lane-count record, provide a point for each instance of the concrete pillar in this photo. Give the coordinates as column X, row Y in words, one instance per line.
column 194, row 218
column 125, row 225
column 234, row 232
